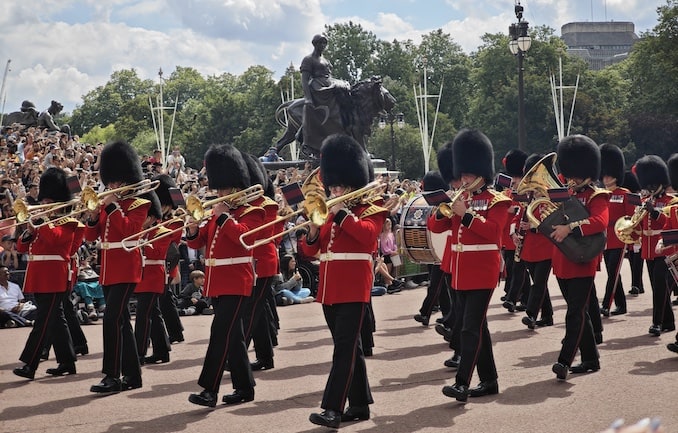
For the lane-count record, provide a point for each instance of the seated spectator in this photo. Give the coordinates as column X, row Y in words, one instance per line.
column 381, row 273
column 191, row 299
column 90, row 292
column 287, row 286
column 14, row 310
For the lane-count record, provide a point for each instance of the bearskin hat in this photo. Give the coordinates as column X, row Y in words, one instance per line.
column 120, row 163
column 343, row 162
column 162, row 191
column 531, row 160
column 54, row 186
column 259, row 174
column 652, row 172
column 631, row 182
column 579, row 157
column 672, row 164
column 445, row 164
column 155, row 210
column 226, row 167
column 514, row 161
column 472, row 153
column 612, row 162
column 433, row 181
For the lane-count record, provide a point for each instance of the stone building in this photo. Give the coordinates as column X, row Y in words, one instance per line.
column 599, row 43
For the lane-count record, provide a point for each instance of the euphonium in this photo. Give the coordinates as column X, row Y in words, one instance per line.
column 626, row 227
column 446, row 208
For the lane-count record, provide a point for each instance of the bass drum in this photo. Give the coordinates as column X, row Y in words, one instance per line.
column 420, row 244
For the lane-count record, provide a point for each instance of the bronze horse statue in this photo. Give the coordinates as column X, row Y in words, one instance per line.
column 368, row 98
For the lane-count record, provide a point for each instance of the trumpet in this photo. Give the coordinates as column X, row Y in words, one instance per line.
column 197, row 209
column 179, row 216
column 315, row 208
column 446, row 208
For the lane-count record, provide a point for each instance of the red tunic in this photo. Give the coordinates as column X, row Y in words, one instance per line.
column 78, row 236
column 266, row 256
column 652, row 229
column 346, row 243
column 618, row 206
column 507, row 240
column 228, row 265
column 476, row 244
column 595, row 201
column 154, row 254
column 440, row 224
column 115, row 223
column 49, row 255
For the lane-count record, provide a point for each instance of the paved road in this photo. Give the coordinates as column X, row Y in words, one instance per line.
column 406, row 373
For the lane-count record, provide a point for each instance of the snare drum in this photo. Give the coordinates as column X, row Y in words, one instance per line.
column 420, row 244
column 672, row 263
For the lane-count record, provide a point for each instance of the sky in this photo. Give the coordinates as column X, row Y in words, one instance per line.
column 62, row 49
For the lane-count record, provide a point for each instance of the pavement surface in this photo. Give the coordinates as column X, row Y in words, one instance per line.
column 406, row 374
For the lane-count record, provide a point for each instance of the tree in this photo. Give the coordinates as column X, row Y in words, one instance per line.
column 350, row 49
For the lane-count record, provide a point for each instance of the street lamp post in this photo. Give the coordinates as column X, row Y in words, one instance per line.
column 519, row 44
column 399, row 120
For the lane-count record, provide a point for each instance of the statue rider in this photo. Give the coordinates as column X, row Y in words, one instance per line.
column 46, row 118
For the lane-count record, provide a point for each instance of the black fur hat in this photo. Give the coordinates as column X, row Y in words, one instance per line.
column 54, row 186
column 166, row 182
column 612, row 162
column 472, row 153
column 631, row 181
column 579, row 157
column 652, row 172
column 120, row 163
column 433, row 181
column 343, row 162
column 531, row 161
column 226, row 167
column 514, row 161
column 259, row 174
column 672, row 164
column 445, row 164
column 155, row 210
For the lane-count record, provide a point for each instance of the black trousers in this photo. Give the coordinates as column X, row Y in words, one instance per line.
column 256, row 321
column 120, row 349
column 168, row 308
column 149, row 325
column 662, row 313
column 227, row 342
column 368, row 328
column 437, row 293
column 348, row 375
column 50, row 325
column 476, row 344
column 636, row 262
column 539, row 299
column 614, row 289
column 77, row 336
column 519, row 288
column 578, row 328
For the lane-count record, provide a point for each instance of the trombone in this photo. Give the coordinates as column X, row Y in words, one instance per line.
column 315, row 208
column 446, row 208
column 178, row 216
column 197, row 209
column 90, row 199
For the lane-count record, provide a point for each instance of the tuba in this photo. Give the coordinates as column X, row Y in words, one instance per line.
column 541, row 178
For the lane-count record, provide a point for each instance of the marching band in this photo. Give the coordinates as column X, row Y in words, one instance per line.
column 572, row 212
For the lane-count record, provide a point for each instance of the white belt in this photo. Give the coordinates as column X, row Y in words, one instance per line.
column 651, row 232
column 154, row 262
column 460, row 248
column 330, row 256
column 230, row 261
column 45, row 258
column 117, row 245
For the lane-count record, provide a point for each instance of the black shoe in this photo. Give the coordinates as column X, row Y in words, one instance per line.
column 81, row 350
column 356, row 413
column 129, row 382
column 641, row 290
column 585, row 367
column 618, row 311
column 421, row 319
column 521, row 307
column 394, row 288
column 107, row 384
column 262, row 365
column 62, row 369
column 560, row 370
column 205, row 398
column 673, row 347
column 634, row 291
column 456, row 391
column 503, row 298
column 156, row 359
column 674, row 302
column 239, row 396
column 484, row 388
column 444, row 331
column 440, row 320
column 598, row 337
column 326, row 418
column 509, row 305
column 544, row 321
column 176, row 340
column 368, row 351
column 25, row 371
column 655, row 330
column 668, row 328
column 530, row 322
column 453, row 362
column 44, row 355
column 605, row 312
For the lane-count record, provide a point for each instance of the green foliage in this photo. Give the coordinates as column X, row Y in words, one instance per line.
column 99, row 135
column 350, row 50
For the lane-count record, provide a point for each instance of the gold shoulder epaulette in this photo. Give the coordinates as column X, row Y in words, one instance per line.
column 65, row 220
column 250, row 208
column 497, row 197
column 138, row 202
column 268, row 202
column 598, row 191
column 673, row 201
column 372, row 210
column 161, row 230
